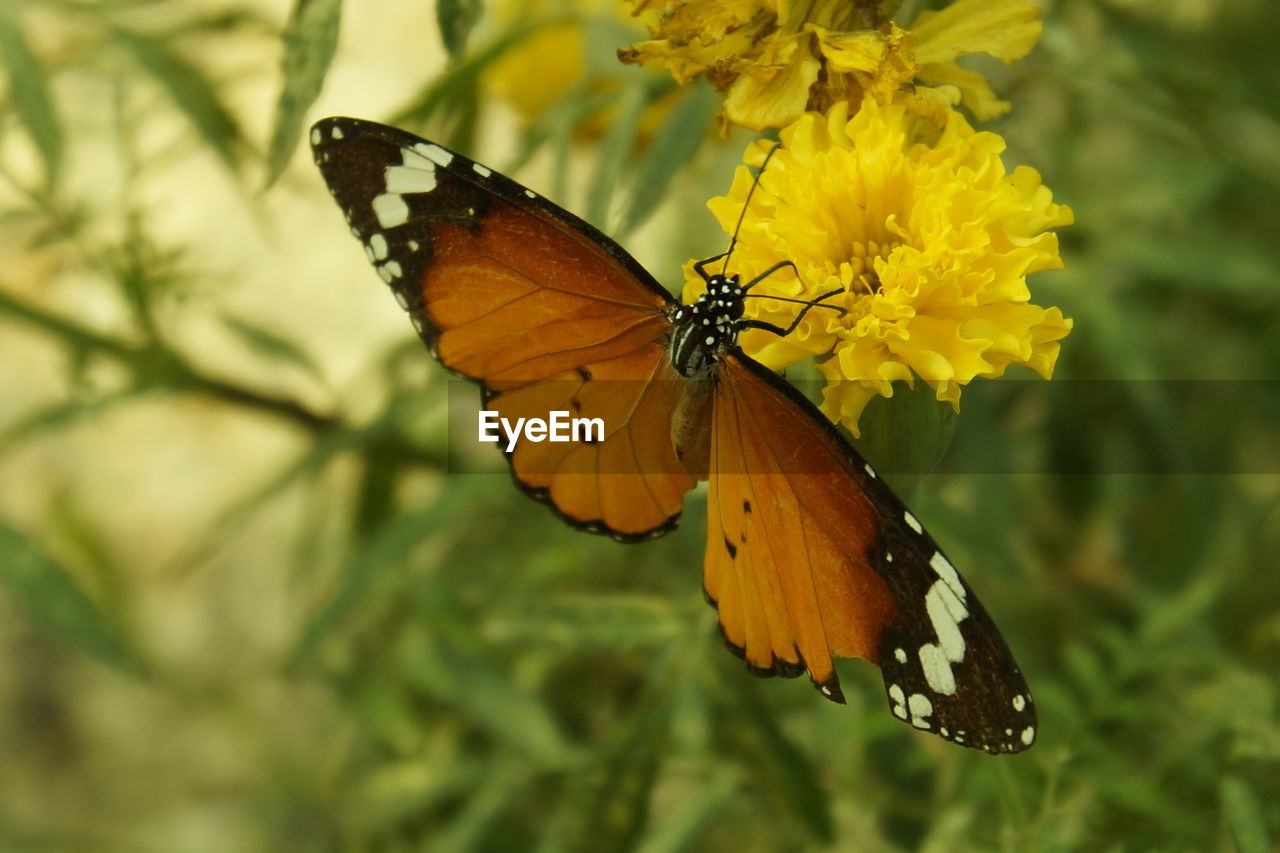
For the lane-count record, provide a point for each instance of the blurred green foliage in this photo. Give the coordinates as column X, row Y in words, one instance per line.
column 349, row 649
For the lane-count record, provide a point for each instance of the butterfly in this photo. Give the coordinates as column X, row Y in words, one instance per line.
column 809, row 555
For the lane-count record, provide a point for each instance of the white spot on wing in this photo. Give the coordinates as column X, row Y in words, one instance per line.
column 413, row 158
column 947, row 572
column 937, row 671
column 1019, row 702
column 946, row 612
column 315, row 136
column 434, row 153
column 912, row 523
column 871, row 472
column 390, row 209
column 920, row 708
column 531, row 193
column 1028, row 735
column 378, row 245
column 482, row 171
column 409, row 179
column 900, row 655
column 393, row 267
column 899, row 701
column 337, row 132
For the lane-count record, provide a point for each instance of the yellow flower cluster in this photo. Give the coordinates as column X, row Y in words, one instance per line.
column 880, row 187
column 777, row 58
column 931, row 240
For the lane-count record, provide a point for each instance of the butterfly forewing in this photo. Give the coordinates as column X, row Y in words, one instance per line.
column 524, row 298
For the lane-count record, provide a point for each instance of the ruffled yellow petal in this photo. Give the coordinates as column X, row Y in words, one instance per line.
column 929, row 236
column 1006, row 29
column 817, row 52
column 974, row 89
column 772, row 97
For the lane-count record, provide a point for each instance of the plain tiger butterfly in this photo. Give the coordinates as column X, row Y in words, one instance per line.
column 809, row 555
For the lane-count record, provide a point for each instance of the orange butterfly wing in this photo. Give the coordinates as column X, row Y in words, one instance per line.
column 525, row 299
column 810, row 557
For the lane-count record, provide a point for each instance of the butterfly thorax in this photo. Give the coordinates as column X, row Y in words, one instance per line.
column 703, row 328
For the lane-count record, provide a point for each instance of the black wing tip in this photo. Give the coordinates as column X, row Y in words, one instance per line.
column 830, row 689
column 1010, row 741
column 997, row 726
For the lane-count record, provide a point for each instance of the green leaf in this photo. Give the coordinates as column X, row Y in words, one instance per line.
column 62, row 414
column 272, row 345
column 615, row 150
column 905, row 435
column 462, row 77
column 459, row 671
column 606, row 805
column 50, row 597
column 680, row 827
column 785, row 769
column 310, row 39
column 481, row 809
column 384, row 551
column 1243, row 816
column 456, row 19
column 673, row 147
column 190, row 90
column 30, row 92
column 587, row 623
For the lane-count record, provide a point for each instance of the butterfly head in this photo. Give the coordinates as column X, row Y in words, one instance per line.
column 701, row 329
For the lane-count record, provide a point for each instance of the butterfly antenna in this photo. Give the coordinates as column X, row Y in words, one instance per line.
column 733, row 241
column 816, row 302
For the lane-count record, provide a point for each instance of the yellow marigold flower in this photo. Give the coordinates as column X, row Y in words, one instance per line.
column 777, row 58
column 931, row 239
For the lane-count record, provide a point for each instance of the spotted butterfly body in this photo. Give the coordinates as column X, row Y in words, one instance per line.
column 809, row 555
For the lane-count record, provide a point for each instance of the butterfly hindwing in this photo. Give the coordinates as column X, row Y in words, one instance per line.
column 811, row 556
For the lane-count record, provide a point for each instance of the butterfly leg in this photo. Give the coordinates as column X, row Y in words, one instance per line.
column 700, row 266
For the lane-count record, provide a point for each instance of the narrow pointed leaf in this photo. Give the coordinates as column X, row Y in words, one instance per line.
column 30, row 92
column 456, row 19
column 673, row 147
column 310, row 39
column 49, row 596
column 190, row 90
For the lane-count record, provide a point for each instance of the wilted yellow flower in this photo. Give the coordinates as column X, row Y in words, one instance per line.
column 931, row 239
column 777, row 58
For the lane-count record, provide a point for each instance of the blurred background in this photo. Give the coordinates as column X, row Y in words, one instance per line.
column 245, row 604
